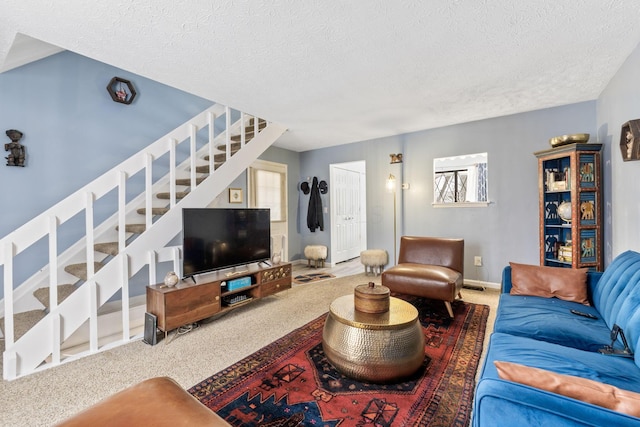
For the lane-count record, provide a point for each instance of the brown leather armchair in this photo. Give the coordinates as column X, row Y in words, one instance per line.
column 157, row 402
column 429, row 267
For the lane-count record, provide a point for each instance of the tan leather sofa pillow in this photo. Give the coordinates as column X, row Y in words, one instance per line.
column 596, row 393
column 569, row 284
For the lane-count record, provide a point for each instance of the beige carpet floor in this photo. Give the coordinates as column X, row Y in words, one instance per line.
column 49, row 396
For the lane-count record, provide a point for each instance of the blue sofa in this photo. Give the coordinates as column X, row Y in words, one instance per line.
column 543, row 333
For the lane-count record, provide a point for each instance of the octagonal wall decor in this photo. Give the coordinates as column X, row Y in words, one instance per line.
column 630, row 140
column 121, row 90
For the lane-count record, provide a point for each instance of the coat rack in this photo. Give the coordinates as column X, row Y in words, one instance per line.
column 323, row 187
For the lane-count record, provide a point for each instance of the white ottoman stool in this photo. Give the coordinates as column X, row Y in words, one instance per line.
column 315, row 253
column 375, row 259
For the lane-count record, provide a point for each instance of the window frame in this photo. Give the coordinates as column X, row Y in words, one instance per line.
column 254, row 172
column 457, row 164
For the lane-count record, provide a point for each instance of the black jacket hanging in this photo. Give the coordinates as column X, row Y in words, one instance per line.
column 314, row 215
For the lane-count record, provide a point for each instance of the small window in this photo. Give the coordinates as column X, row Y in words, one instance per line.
column 461, row 179
column 269, row 192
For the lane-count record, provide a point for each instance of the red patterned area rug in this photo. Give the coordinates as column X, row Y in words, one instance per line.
column 291, row 383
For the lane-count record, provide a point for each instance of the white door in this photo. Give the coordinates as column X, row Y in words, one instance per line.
column 267, row 188
column 348, row 211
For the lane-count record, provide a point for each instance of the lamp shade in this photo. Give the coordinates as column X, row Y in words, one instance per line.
column 391, row 183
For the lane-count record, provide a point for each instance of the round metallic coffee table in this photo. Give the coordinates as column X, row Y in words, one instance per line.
column 377, row 348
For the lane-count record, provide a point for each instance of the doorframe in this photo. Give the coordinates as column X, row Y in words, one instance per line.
column 359, row 166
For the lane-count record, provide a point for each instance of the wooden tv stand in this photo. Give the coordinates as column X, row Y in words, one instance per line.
column 189, row 302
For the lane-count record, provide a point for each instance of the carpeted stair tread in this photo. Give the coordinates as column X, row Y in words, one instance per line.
column 64, row 291
column 154, row 211
column 80, row 270
column 134, row 228
column 250, row 130
column 187, row 181
column 179, row 194
column 218, row 158
column 235, row 146
column 109, row 248
column 262, row 123
column 238, row 138
column 24, row 321
column 202, row 169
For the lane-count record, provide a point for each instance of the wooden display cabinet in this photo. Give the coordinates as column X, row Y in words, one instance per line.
column 190, row 302
column 570, row 200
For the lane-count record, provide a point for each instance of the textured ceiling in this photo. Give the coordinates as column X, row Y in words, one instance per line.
column 335, row 72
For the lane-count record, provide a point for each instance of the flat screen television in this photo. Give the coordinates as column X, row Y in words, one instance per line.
column 214, row 239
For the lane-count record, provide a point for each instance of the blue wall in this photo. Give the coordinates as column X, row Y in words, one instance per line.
column 292, row 160
column 73, row 131
column 506, row 230
column 619, row 103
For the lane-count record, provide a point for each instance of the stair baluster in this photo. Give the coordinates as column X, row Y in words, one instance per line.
column 79, row 304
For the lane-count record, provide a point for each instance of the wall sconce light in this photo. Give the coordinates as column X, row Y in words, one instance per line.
column 391, row 183
column 395, row 158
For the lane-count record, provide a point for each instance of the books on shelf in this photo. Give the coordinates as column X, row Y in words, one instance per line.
column 565, row 253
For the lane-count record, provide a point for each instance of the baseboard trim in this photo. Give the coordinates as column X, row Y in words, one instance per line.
column 300, row 261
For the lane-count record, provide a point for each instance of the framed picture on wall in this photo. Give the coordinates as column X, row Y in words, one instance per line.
column 235, row 195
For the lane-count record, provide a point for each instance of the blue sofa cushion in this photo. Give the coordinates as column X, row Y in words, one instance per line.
column 551, row 320
column 616, row 371
column 504, row 403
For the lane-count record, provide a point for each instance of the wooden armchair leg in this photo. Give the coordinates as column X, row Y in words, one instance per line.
column 449, row 309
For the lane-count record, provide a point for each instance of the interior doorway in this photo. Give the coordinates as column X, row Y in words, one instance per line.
column 348, row 201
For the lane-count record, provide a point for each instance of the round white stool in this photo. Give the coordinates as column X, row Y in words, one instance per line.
column 315, row 253
column 374, row 259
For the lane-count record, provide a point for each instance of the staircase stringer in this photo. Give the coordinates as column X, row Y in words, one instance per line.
column 29, row 353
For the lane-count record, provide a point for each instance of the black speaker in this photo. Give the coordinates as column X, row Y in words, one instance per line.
column 150, row 329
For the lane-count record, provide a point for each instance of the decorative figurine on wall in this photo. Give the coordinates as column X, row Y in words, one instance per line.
column 16, row 150
column 121, row 90
column 630, row 140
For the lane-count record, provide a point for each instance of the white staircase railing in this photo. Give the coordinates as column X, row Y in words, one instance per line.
column 40, row 347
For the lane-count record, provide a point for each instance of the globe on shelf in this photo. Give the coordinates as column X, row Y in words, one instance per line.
column 564, row 211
